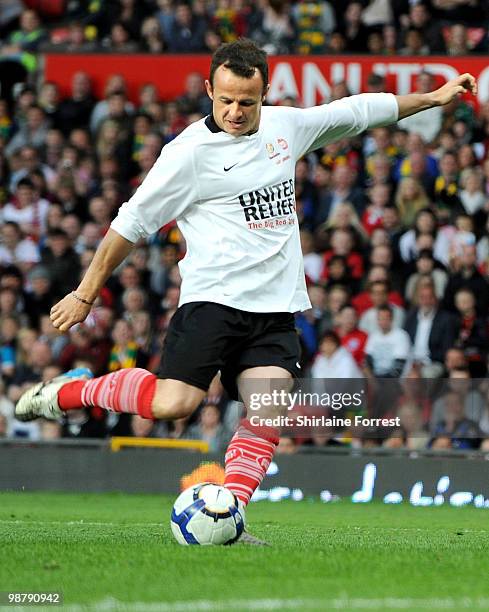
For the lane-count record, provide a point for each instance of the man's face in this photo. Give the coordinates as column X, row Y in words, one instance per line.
column 418, row 15
column 25, row 195
column 40, row 286
column 384, row 320
column 10, row 236
column 348, row 319
column 194, row 84
column 80, row 85
column 448, row 165
column 381, row 137
column 328, row 347
column 424, row 83
column 183, row 15
column 454, row 358
column 426, row 297
column 35, row 118
column 464, row 302
column 425, row 265
column 29, row 21
column 378, row 295
column 390, row 218
column 236, row 101
column 381, row 256
column 116, row 105
column 29, row 158
column 129, row 278
column 59, row 245
column 343, row 177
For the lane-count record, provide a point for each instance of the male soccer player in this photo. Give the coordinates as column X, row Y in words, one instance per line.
column 228, row 180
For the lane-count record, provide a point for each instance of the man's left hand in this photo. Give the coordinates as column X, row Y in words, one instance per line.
column 464, row 83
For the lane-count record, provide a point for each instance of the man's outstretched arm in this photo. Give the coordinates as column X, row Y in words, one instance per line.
column 71, row 310
column 414, row 103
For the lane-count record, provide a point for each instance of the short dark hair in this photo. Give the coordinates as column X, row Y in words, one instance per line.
column 376, row 283
column 465, row 369
column 242, row 57
column 57, row 232
column 10, row 270
column 332, row 336
column 25, row 182
column 337, row 259
column 426, row 254
column 375, row 79
column 386, row 308
column 14, row 225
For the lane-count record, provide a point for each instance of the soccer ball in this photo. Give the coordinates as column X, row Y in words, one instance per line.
column 207, row 514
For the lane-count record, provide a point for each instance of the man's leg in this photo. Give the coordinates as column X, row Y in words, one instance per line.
column 196, row 342
column 252, row 447
column 131, row 390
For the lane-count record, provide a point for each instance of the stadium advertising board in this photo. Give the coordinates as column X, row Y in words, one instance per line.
column 393, row 480
column 441, row 479
column 308, row 78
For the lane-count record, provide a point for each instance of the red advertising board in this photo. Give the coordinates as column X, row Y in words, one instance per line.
column 309, row 78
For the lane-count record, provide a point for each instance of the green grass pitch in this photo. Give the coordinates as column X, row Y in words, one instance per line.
column 116, row 552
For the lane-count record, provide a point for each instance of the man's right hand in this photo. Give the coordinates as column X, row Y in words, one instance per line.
column 110, row 253
column 68, row 312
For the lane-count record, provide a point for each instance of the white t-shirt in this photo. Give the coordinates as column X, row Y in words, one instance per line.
column 472, row 202
column 26, row 251
column 233, row 199
column 427, row 124
column 421, row 348
column 408, row 250
column 313, row 266
column 369, row 324
column 340, row 365
column 34, row 214
column 386, row 348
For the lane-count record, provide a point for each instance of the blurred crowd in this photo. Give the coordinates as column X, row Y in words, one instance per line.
column 393, row 224
column 409, row 27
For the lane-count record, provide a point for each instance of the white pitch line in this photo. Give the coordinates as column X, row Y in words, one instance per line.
column 340, row 603
column 79, row 523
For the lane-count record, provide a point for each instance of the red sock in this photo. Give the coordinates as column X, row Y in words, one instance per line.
column 247, row 458
column 129, row 390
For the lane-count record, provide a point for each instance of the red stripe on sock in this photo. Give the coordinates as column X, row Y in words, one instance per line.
column 69, row 396
column 130, row 390
column 247, row 458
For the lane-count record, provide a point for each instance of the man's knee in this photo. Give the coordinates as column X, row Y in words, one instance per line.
column 175, row 399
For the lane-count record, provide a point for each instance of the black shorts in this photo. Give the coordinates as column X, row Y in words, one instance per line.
column 204, row 337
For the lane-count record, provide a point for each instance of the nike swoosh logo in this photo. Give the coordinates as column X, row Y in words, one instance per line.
column 228, row 169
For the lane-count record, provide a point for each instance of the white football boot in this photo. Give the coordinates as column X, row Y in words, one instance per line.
column 247, row 538
column 41, row 400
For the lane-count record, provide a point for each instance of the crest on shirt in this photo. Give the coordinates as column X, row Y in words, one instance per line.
column 283, row 143
column 271, row 151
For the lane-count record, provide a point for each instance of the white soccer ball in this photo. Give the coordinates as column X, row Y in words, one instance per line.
column 207, row 514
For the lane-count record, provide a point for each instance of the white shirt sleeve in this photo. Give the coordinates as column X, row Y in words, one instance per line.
column 347, row 117
column 369, row 346
column 168, row 190
column 28, row 252
column 402, row 345
column 351, row 369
